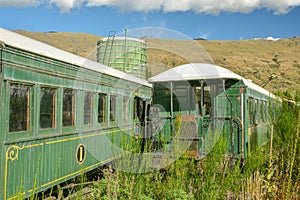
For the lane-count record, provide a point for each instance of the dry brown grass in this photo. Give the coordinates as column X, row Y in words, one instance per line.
column 257, row 59
column 253, row 59
column 81, row 44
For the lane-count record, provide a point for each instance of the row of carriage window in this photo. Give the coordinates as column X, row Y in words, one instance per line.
column 21, row 99
column 258, row 111
column 21, row 107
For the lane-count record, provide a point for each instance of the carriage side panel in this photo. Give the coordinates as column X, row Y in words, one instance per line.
column 34, row 158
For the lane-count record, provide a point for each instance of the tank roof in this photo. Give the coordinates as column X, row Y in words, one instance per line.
column 125, row 38
column 28, row 44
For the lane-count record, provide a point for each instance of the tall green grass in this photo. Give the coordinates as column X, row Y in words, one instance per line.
column 269, row 173
column 215, row 177
column 285, row 168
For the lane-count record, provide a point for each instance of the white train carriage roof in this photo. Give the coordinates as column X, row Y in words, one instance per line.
column 203, row 71
column 25, row 43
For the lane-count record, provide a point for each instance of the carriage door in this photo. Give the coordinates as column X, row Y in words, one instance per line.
column 235, row 125
column 204, row 112
column 139, row 114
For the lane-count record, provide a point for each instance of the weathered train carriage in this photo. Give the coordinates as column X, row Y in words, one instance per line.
column 61, row 115
column 253, row 111
column 221, row 102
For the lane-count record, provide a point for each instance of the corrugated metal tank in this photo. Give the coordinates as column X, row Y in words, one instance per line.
column 123, row 53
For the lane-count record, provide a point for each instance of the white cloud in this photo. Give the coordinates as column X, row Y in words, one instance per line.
column 66, row 5
column 268, row 38
column 19, row 3
column 128, row 5
column 197, row 6
column 272, row 39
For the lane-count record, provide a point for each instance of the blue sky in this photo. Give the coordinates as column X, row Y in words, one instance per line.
column 213, row 20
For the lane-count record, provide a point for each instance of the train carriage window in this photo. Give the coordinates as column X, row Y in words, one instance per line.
column 47, row 107
column 125, row 109
column 250, row 109
column 262, row 111
column 161, row 93
column 101, row 108
column 19, row 110
column 88, row 107
column 255, row 112
column 207, row 100
column 197, row 91
column 113, row 108
column 135, row 108
column 267, row 112
column 139, row 110
column 68, row 107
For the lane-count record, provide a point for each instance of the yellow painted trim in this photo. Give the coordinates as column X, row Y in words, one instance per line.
column 83, row 155
column 34, row 145
column 78, row 172
column 14, row 155
column 85, row 136
column 64, row 177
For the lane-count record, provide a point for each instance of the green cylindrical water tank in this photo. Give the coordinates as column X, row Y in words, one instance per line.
column 123, row 53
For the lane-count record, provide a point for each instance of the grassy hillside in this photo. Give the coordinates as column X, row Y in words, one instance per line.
column 81, row 44
column 253, row 59
column 258, row 59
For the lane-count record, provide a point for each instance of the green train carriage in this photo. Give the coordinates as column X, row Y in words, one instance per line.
column 61, row 115
column 220, row 102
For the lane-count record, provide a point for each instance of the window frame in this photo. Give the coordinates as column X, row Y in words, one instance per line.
column 251, row 111
column 263, row 111
column 256, row 112
column 267, row 105
column 73, row 117
column 55, row 111
column 126, row 116
column 113, row 109
column 15, row 135
column 91, row 104
column 104, row 108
